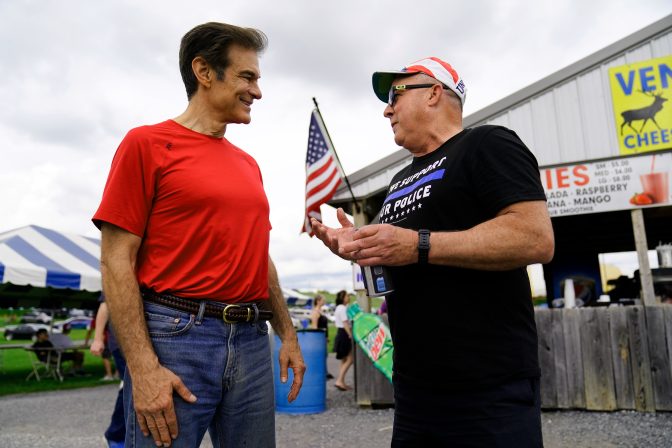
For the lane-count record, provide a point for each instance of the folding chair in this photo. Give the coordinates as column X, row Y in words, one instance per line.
column 48, row 367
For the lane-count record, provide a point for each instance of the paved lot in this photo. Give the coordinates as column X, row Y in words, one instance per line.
column 78, row 418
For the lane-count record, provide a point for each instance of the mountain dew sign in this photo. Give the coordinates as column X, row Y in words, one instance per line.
column 373, row 337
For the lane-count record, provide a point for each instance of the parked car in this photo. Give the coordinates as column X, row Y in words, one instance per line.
column 35, row 317
column 81, row 322
column 23, row 331
column 76, row 312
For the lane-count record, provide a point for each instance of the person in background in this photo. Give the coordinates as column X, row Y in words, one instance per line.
column 383, row 308
column 318, row 321
column 59, row 342
column 42, row 342
column 100, row 340
column 187, row 273
column 62, row 339
column 343, row 340
column 104, row 340
column 457, row 228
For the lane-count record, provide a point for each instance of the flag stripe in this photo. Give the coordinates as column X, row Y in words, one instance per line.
column 325, row 193
column 323, row 172
column 318, row 165
column 313, row 182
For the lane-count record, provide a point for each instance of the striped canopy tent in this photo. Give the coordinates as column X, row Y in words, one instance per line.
column 47, row 265
column 295, row 298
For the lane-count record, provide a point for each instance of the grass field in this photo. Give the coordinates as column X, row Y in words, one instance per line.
column 15, row 365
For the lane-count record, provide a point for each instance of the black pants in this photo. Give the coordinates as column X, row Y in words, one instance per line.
column 508, row 415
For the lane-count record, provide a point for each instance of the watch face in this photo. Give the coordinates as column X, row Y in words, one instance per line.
column 423, row 246
column 423, row 241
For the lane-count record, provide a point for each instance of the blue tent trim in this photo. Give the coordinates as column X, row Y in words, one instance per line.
column 70, row 247
column 57, row 275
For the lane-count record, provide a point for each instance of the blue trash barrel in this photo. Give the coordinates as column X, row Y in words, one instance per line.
column 313, row 396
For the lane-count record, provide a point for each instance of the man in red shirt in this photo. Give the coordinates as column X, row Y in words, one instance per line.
column 186, row 271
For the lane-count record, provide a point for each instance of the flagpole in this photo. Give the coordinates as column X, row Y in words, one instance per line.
column 347, row 182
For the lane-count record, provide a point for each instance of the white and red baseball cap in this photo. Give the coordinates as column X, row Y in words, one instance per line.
column 432, row 66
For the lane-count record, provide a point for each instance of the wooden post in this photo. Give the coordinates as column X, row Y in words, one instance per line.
column 598, row 370
column 660, row 361
column 642, row 383
column 549, row 395
column 646, row 281
column 620, row 355
column 571, row 325
column 559, row 358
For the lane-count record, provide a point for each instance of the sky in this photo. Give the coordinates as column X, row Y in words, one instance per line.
column 76, row 75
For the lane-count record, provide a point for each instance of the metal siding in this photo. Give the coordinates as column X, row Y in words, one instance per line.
column 639, row 54
column 594, row 114
column 574, row 121
column 609, row 105
column 372, row 184
column 662, row 46
column 546, row 142
column 570, row 128
column 501, row 120
column 520, row 120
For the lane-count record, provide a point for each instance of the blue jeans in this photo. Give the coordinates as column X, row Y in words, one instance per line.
column 226, row 366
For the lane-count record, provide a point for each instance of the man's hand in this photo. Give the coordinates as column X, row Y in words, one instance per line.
column 382, row 244
column 97, row 347
column 290, row 352
column 334, row 239
column 290, row 356
column 153, row 403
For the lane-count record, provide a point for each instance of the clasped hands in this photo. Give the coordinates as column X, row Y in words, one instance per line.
column 374, row 244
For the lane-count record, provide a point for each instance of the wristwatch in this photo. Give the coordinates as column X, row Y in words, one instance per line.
column 423, row 246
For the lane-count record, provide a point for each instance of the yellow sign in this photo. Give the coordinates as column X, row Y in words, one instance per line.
column 641, row 94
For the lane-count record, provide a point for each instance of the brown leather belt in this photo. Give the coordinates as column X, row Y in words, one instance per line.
column 229, row 313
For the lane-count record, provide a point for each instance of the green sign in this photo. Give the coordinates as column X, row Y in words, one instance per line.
column 373, row 337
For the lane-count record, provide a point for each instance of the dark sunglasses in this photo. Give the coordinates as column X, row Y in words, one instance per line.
column 394, row 90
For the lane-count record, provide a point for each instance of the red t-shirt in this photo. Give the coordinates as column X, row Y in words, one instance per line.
column 199, row 205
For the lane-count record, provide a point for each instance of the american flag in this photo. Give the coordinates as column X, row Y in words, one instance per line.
column 323, row 172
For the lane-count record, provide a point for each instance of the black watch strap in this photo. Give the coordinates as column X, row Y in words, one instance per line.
column 423, row 246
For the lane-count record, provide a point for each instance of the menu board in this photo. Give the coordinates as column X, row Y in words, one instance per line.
column 618, row 184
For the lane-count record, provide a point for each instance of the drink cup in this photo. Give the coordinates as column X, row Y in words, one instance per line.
column 656, row 185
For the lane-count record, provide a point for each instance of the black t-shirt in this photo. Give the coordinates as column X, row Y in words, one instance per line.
column 42, row 355
column 462, row 328
column 322, row 322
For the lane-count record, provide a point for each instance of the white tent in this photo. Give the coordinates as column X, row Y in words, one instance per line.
column 41, row 257
column 295, row 298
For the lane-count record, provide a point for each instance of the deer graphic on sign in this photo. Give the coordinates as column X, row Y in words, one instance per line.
column 645, row 113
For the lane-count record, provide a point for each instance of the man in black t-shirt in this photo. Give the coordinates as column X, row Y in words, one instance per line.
column 43, row 342
column 457, row 228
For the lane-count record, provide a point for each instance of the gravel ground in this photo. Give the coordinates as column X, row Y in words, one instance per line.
column 78, row 418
